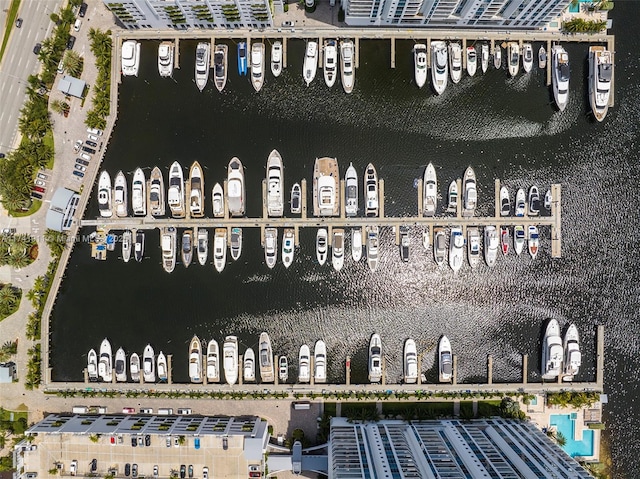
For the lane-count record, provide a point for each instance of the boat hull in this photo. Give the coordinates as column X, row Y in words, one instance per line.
column 445, row 360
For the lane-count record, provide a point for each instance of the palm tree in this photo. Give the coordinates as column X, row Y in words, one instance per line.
column 19, row 260
column 57, row 106
column 19, row 243
column 73, row 63
column 8, row 295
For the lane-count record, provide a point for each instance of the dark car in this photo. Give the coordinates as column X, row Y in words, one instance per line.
column 147, row 440
column 134, row 440
column 91, row 143
column 83, row 10
column 190, row 470
column 127, row 469
column 71, row 42
column 19, row 22
column 134, row 470
column 35, row 195
column 94, row 465
column 81, row 175
column 91, row 151
column 183, row 471
column 2, row 155
column 82, row 162
column 37, row 48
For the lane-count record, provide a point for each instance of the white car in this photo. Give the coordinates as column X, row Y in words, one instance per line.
column 92, row 137
column 77, row 145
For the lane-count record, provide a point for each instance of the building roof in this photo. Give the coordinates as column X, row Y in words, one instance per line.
column 7, row 370
column 72, row 86
column 62, row 208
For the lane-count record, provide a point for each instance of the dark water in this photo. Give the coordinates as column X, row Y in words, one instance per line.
column 505, row 128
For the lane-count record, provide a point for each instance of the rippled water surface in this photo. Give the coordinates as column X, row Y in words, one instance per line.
column 505, row 128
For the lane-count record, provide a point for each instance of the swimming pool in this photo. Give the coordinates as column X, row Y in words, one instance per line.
column 566, row 425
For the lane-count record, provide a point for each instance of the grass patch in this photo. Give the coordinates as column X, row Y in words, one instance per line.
column 417, row 410
column 5, row 415
column 330, row 409
column 11, row 19
column 35, row 206
column 48, row 141
column 488, row 408
column 466, row 409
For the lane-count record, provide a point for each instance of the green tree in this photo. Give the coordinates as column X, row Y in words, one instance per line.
column 57, row 106
column 73, row 63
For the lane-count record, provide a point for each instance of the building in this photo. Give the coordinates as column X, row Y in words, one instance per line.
column 8, row 372
column 61, row 210
column 71, row 86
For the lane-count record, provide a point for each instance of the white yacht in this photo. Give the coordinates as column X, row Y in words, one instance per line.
column 276, row 58
column 347, row 68
column 519, row 239
column 472, row 61
column 469, row 192
column 548, row 200
column 249, row 366
column 134, row 367
column 168, row 246
column 217, row 199
column 534, row 201
column 230, row 359
column 337, row 249
column 420, row 64
column 552, row 353
column 600, row 77
column 283, row 369
column 505, row 201
column 455, row 61
column 162, row 368
column 473, row 246
column 542, row 57
column 235, row 188
column 220, row 56
column 560, row 73
column 130, row 58
column 484, row 57
column 271, row 246
column 138, row 193
column 213, row 362
column 288, row 247
column 497, row 56
column 203, row 53
column 138, row 246
column 371, row 190
column 439, row 246
column 220, row 249
column 372, row 247
column 456, row 249
column 120, row 195
column 149, row 364
column 439, row 66
column 92, row 365
column 326, row 187
column 236, row 243
column 430, row 191
column 165, row 59
column 310, row 64
column 351, row 191
column 533, row 241
column 265, row 356
column 320, row 362
column 322, row 245
column 296, row 199
column 196, row 191
column 105, row 361
column 202, row 238
column 330, row 64
column 275, row 185
column 175, row 195
column 491, row 245
column 304, row 371
column 186, row 252
column 527, row 57
column 513, row 58
column 127, row 241
column 257, row 65
column 410, row 362
column 521, row 202
column 104, row 195
column 156, row 192
column 375, row 358
column 445, row 360
column 452, row 197
column 356, row 244
column 572, row 355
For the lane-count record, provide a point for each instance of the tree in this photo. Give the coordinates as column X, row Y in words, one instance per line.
column 57, row 106
column 73, row 63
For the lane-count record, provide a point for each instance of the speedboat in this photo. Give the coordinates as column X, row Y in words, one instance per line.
column 426, row 238
column 249, row 365
column 310, row 64
column 505, row 202
column 202, row 237
column 371, row 190
column 491, row 243
column 213, row 362
column 534, row 201
column 156, row 192
column 518, row 239
column 430, row 191
column 420, row 63
column 203, row 53
column 497, row 57
column 230, row 359
column 320, row 362
column 330, row 67
column 105, row 361
column 521, row 202
column 271, row 246
column 165, row 59
column 504, row 239
column 347, row 70
column 356, row 244
column 304, row 372
column 472, row 61
column 473, row 247
column 186, row 251
column 130, row 58
column 276, row 58
column 572, row 356
column 235, row 187
column 533, row 242
column 236, row 243
column 469, row 192
column 456, row 249
column 542, row 57
column 552, row 353
column 127, row 240
column 326, row 187
column 196, row 191
column 242, row 58
column 138, row 247
column 168, row 246
column 445, row 360
column 220, row 66
column 138, row 193
column 175, row 195
column 439, row 66
column 220, row 249
column 548, row 199
column 375, row 358
column 404, row 243
column 455, row 61
column 134, row 367
column 372, row 247
column 120, row 195
column 351, row 191
column 439, row 246
column 162, row 367
column 410, row 362
column 288, row 247
column 560, row 73
column 527, row 57
column 296, row 199
column 484, row 57
column 104, row 195
column 265, row 356
column 600, row 76
column 275, row 185
column 149, row 365
column 321, row 245
column 217, row 197
column 513, row 58
column 283, row 369
column 92, row 365
column 452, row 197
column 337, row 249
column 257, row 65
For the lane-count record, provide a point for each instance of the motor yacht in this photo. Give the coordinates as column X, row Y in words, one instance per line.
column 276, row 58
column 134, row 367
column 484, row 57
column 288, row 247
column 202, row 237
column 213, row 362
column 138, row 193
column 542, row 57
column 162, row 368
column 456, row 249
column 235, row 188
column 196, row 191
column 513, row 58
column 283, row 369
column 600, row 77
column 375, row 358
column 519, row 239
column 445, row 360
column 410, row 362
column 220, row 249
column 572, row 356
column 92, row 365
column 472, row 61
column 165, row 59
column 249, row 366
column 351, row 191
column 505, row 201
column 175, row 195
column 430, row 191
column 497, row 56
column 242, row 58
column 156, row 192
column 533, row 241
column 257, row 65
column 326, row 187
column 330, row 63
column 372, row 247
column 236, row 243
column 120, row 365
column 491, row 244
column 356, row 244
column 217, row 199
column 104, row 195
column 322, row 245
column 304, row 371
column 275, row 185
column 149, row 364
column 473, row 246
column 270, row 247
column 220, row 60
column 138, row 246
column 527, row 57
column 120, row 195
column 548, row 200
column 439, row 66
column 265, row 357
column 347, row 69
column 130, row 58
column 439, row 246
column 426, row 239
column 420, row 64
column 521, row 202
column 504, row 239
column 186, row 251
column 455, row 61
column 310, row 64
column 534, row 201
column 469, row 192
column 337, row 249
column 452, row 197
column 168, row 246
column 371, row 190
column 560, row 74
column 296, row 199
column 320, row 363
column 230, row 359
column 552, row 353
column 127, row 241
column 203, row 54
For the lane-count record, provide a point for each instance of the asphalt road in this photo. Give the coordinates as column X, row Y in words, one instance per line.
column 19, row 62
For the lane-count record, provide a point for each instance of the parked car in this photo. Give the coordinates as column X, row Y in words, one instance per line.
column 196, row 442
column 134, row 470
column 19, row 22
column 89, row 150
column 140, row 441
column 77, row 25
column 35, row 195
column 93, row 466
column 127, row 469
column 77, row 145
column 183, row 471
column 83, row 169
column 9, row 231
column 85, row 156
column 37, row 48
column 176, row 441
column 288, row 23
column 185, row 411
column 127, row 410
column 39, row 183
column 134, row 441
column 60, row 67
column 155, row 471
column 78, row 173
column 73, row 467
column 39, row 189
column 94, row 131
column 92, row 144
column 83, row 10
column 205, row 473
column 42, row 176
column 85, row 163
column 144, row 410
column 190, row 470
column 147, row 440
column 71, row 42
column 168, row 441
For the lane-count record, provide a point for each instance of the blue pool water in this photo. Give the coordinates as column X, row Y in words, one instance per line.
column 566, row 426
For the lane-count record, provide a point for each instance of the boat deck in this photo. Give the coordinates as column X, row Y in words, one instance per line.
column 326, row 167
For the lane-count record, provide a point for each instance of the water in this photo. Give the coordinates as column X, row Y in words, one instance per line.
column 505, row 128
column 566, row 426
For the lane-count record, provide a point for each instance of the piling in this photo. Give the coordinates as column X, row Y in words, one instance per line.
column 381, row 197
column 320, row 52
column 169, row 369
column 284, row 52
column 393, row 52
column 525, row 366
column 356, row 52
column 212, row 50
column 240, row 369
column 303, row 197
column 454, row 376
column 312, row 374
column 176, row 54
column 548, row 62
column 347, row 368
column 490, row 369
column 420, row 199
